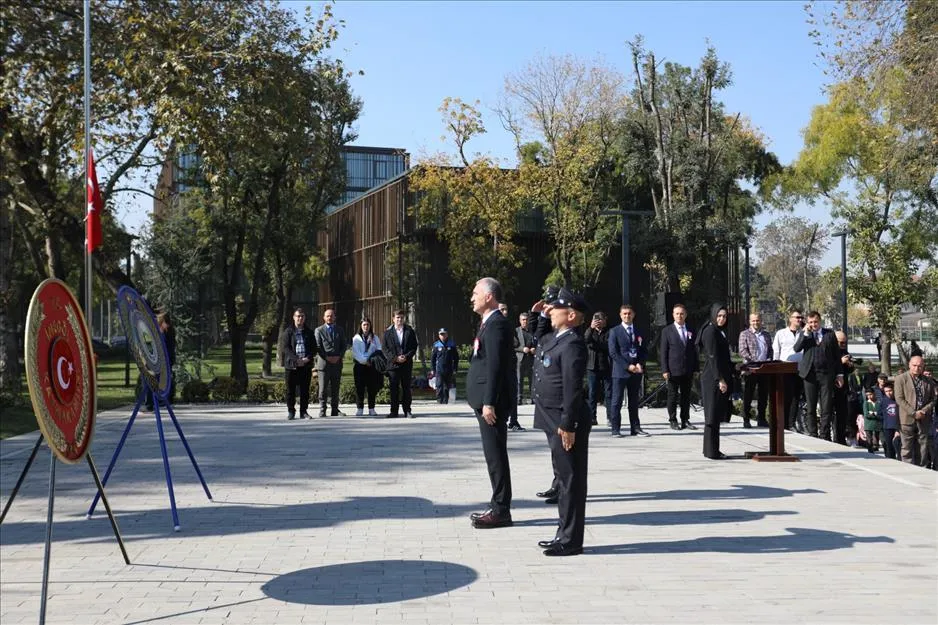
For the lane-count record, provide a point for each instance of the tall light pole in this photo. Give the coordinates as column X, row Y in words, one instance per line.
column 842, row 233
column 746, row 247
column 625, row 214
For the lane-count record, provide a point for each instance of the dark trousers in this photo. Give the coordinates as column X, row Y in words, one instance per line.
column 599, row 383
column 571, row 468
column 711, row 439
column 891, row 445
column 679, row 385
column 555, row 482
column 298, row 379
column 495, row 449
column 525, row 371
column 793, row 392
column 839, row 424
column 329, row 380
column 444, row 382
column 367, row 380
column 872, row 439
column 622, row 387
column 399, row 381
column 758, row 386
column 819, row 389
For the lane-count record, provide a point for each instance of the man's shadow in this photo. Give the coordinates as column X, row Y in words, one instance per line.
column 672, row 517
column 736, row 491
column 797, row 540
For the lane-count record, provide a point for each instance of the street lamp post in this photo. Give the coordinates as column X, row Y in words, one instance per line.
column 625, row 214
column 842, row 233
column 746, row 247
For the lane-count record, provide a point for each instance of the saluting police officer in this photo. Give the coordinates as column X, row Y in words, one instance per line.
column 560, row 409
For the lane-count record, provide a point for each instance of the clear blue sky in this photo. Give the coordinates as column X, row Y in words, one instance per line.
column 414, row 54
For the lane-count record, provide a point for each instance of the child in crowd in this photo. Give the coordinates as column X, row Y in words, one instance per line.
column 871, row 422
column 889, row 414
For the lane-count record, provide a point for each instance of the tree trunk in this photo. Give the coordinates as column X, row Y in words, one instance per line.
column 10, row 371
column 269, row 341
column 239, row 364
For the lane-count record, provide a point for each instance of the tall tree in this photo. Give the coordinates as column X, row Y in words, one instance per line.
column 269, row 155
column 564, row 114
column 471, row 201
column 789, row 250
column 692, row 157
column 878, row 177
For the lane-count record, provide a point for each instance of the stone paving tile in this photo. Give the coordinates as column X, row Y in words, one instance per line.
column 352, row 520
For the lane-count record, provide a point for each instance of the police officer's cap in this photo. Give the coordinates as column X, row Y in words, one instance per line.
column 442, row 331
column 568, row 299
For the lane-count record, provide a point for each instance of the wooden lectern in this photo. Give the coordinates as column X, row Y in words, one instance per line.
column 775, row 371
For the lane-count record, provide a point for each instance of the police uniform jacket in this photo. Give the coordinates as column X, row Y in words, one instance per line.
column 559, row 367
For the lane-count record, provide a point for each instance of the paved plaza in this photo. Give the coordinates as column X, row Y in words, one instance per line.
column 365, row 520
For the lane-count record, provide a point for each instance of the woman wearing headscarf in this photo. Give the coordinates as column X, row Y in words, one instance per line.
column 715, row 380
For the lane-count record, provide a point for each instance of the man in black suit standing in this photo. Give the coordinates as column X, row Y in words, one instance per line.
column 679, row 362
column 489, row 389
column 821, row 371
column 628, row 353
column 561, row 410
column 297, row 346
column 400, row 346
column 330, row 350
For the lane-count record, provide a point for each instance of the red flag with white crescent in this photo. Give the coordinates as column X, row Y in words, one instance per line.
column 93, row 238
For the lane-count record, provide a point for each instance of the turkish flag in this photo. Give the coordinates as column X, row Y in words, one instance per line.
column 95, row 206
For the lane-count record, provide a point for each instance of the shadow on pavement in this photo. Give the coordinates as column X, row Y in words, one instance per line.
column 679, row 517
column 736, row 491
column 377, row 581
column 797, row 540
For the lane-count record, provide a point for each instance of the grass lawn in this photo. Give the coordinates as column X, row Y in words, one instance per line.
column 112, row 393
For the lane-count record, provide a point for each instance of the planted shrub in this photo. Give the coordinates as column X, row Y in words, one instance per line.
column 226, row 389
column 258, row 391
column 279, row 391
column 195, row 391
column 347, row 393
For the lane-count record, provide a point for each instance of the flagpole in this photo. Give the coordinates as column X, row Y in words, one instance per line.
column 88, row 265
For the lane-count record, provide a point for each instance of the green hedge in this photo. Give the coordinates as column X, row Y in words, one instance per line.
column 195, row 391
column 227, row 389
column 258, row 391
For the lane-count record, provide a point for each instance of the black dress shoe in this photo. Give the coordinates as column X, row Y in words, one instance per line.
column 675, row 426
column 478, row 515
column 546, row 544
column 552, row 500
column 720, row 456
column 595, row 422
column 560, row 549
column 305, row 415
column 547, row 494
column 762, row 424
column 322, row 415
column 291, row 416
column 746, row 424
column 688, row 425
column 640, row 432
column 490, row 520
column 616, row 435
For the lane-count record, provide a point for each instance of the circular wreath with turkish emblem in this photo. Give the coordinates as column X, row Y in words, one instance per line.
column 145, row 340
column 60, row 370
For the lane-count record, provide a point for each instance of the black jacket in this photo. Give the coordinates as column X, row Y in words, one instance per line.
column 559, row 367
column 287, row 346
column 524, row 338
column 393, row 348
column 489, row 381
column 597, row 344
column 675, row 356
column 825, row 366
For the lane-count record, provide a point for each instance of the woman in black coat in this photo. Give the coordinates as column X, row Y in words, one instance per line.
column 715, row 380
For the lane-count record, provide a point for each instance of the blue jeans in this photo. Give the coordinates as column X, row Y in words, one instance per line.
column 599, row 383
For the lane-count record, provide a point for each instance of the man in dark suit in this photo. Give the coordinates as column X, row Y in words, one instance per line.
column 330, row 350
column 679, row 362
column 629, row 353
column 821, row 371
column 400, row 346
column 525, row 345
column 296, row 348
column 561, row 411
column 489, row 389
